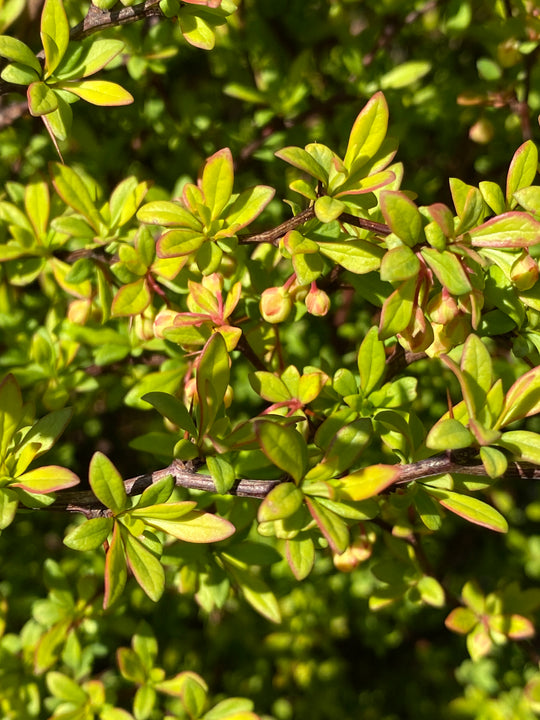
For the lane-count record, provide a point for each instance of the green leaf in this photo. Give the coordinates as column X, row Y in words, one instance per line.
column 13, row 49
column 461, row 620
column 247, row 206
column 222, row 473
column 131, row 299
column 367, row 134
column 196, row 30
column 90, row 535
column 431, row 591
column 41, row 99
column 493, row 196
column 194, row 526
column 50, row 478
column 65, row 689
column 371, row 361
column 168, row 214
column 255, row 590
column 402, row 216
column 54, row 33
column 427, row 509
column 115, row 569
column 106, row 483
column 369, row 481
column 334, row 529
column 328, row 209
column 74, row 193
column 217, row 181
column 470, row 508
column 11, row 411
column 448, row 270
column 494, row 461
column 358, row 256
column 284, row 447
column 510, row 230
column 523, row 169
column 18, row 74
column 398, row 264
column 449, row 434
column 522, row 400
column 281, row 502
column 523, row 444
column 405, row 74
column 300, row 554
column 213, row 371
column 269, row 386
column 173, row 409
column 9, row 503
column 86, row 59
column 98, row 92
column 145, row 567
column 477, row 370
column 49, row 646
column 397, row 310
column 343, row 450
column 302, row 160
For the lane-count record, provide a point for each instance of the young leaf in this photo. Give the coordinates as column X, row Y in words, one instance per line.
column 90, row 535
column 222, row 473
column 367, row 134
column 81, row 60
column 510, row 230
column 115, row 569
column 367, row 482
column 247, row 206
column 11, row 410
column 523, row 444
column 194, row 526
column 397, row 310
column 281, row 502
column 74, row 193
column 106, row 483
column 302, row 160
column 145, row 567
column 470, row 508
column 284, row 447
column 173, row 409
column 334, row 529
column 13, row 49
column 41, row 99
column 50, row 478
column 448, row 270
column 402, row 216
column 217, row 181
column 300, row 554
column 449, row 434
column 371, row 361
column 522, row 400
column 213, row 371
column 522, row 170
column 98, row 92
column 54, row 33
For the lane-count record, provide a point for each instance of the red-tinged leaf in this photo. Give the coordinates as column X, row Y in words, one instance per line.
column 448, row 270
column 98, row 92
column 194, row 527
column 106, row 483
column 281, row 502
column 54, row 33
column 470, row 508
column 523, row 444
column 461, row 620
column 300, row 554
column 50, row 478
column 399, row 264
column 217, row 181
column 41, row 99
column 397, row 310
column 115, row 569
column 328, row 208
column 145, row 567
column 90, row 535
column 213, row 372
column 131, row 299
column 479, row 643
column 367, row 482
column 168, row 214
column 516, row 627
column 84, row 60
column 449, row 434
column 334, row 529
column 130, row 665
column 247, row 206
column 284, row 447
column 310, row 386
column 510, row 230
column 182, row 241
column 522, row 400
column 402, row 216
column 367, row 134
column 13, row 49
column 11, row 411
column 302, row 160
column 74, row 193
column 523, row 169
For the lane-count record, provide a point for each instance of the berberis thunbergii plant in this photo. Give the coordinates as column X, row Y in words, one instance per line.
column 319, row 379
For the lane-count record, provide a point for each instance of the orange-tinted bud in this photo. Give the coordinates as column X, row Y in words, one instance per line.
column 317, row 302
column 275, row 305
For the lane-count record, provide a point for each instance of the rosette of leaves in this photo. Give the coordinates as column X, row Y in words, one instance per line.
column 134, row 532
column 204, row 223
column 57, row 83
column 20, row 445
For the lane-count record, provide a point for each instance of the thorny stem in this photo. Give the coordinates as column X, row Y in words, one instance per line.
column 185, row 475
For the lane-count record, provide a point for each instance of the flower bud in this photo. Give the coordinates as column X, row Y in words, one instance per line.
column 275, row 305
column 524, row 272
column 317, row 302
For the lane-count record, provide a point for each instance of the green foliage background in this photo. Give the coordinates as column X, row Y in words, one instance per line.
column 284, row 73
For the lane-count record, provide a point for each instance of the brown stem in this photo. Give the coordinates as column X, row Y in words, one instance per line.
column 275, row 234
column 185, row 475
column 97, row 19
